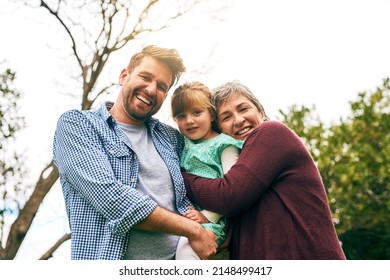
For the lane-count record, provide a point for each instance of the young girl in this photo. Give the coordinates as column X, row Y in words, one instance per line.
column 206, row 152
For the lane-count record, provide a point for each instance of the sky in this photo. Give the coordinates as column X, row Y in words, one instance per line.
column 302, row 52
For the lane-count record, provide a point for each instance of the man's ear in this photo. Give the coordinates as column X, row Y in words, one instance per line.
column 123, row 76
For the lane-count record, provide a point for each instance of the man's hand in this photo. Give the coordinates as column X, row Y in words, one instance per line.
column 202, row 240
column 204, row 243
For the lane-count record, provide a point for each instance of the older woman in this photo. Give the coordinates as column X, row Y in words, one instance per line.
column 274, row 194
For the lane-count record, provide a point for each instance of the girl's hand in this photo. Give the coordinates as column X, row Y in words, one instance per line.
column 195, row 215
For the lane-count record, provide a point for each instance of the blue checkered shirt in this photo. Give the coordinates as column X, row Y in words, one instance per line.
column 98, row 173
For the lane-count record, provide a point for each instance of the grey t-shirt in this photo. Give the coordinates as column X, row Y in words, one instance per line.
column 155, row 181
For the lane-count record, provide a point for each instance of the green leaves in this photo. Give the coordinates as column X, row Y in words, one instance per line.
column 353, row 157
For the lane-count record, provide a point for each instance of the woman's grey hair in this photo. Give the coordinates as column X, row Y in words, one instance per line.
column 223, row 92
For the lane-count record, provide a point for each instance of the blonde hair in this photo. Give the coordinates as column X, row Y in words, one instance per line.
column 189, row 95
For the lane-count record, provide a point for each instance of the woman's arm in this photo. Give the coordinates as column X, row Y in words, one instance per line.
column 229, row 157
column 262, row 159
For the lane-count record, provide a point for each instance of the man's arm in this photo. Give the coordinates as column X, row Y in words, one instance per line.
column 84, row 165
column 202, row 240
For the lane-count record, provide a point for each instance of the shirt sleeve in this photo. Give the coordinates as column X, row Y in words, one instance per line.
column 262, row 160
column 229, row 157
column 85, row 168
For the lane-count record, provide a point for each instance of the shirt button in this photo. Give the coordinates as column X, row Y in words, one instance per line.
column 132, row 180
column 111, row 151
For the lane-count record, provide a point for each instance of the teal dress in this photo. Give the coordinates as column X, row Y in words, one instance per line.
column 203, row 158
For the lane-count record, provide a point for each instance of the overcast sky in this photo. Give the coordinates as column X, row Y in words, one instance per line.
column 302, row 52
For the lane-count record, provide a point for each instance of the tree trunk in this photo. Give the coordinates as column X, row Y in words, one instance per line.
column 26, row 215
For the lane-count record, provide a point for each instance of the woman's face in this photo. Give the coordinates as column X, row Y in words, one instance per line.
column 238, row 117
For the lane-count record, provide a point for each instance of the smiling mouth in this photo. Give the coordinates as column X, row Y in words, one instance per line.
column 191, row 129
column 143, row 99
column 243, row 131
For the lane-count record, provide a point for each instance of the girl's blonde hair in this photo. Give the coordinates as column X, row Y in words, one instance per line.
column 191, row 94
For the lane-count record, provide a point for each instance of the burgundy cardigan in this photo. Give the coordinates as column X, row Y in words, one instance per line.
column 275, row 199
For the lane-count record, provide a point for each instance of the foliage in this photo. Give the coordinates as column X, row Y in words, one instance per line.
column 367, row 243
column 353, row 157
column 12, row 169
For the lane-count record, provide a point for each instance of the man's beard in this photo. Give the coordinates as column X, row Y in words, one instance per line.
column 131, row 112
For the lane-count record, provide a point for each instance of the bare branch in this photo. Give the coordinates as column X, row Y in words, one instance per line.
column 49, row 253
column 55, row 14
column 103, row 91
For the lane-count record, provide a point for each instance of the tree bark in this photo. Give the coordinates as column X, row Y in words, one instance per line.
column 50, row 252
column 26, row 215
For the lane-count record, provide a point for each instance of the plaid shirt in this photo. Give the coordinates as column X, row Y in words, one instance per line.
column 98, row 173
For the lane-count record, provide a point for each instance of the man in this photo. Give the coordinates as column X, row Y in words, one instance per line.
column 119, row 170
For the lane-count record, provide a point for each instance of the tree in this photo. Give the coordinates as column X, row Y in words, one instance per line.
column 353, row 157
column 12, row 169
column 96, row 29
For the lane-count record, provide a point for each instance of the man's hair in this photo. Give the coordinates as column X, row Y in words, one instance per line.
column 168, row 56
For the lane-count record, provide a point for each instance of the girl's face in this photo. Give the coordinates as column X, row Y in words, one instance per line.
column 195, row 124
column 238, row 117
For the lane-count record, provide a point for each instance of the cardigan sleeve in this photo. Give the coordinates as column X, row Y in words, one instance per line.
column 264, row 159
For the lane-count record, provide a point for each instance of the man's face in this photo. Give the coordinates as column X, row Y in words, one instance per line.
column 144, row 89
